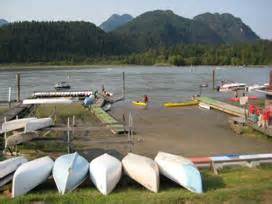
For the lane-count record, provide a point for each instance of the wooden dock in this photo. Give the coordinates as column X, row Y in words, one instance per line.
column 265, row 131
column 45, row 94
column 105, row 118
column 18, row 110
column 222, row 106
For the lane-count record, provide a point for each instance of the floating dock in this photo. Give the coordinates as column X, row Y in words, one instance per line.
column 222, row 106
column 105, row 118
column 45, row 94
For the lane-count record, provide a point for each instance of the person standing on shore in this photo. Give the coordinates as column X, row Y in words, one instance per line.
column 146, row 100
column 265, row 118
column 260, row 119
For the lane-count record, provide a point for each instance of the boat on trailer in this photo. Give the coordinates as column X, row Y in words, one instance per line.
column 180, row 170
column 69, row 172
column 31, row 174
column 143, row 170
column 105, row 173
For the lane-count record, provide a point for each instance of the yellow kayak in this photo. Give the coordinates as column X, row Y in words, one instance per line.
column 138, row 103
column 181, row 104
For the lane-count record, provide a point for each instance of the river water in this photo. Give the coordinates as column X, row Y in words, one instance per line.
column 160, row 83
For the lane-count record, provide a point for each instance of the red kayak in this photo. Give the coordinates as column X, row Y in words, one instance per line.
column 238, row 99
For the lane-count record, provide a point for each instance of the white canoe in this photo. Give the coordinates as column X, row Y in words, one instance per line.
column 15, row 124
column 10, row 165
column 180, row 170
column 143, row 170
column 38, row 124
column 48, row 101
column 69, row 172
column 5, row 180
column 31, row 174
column 105, row 173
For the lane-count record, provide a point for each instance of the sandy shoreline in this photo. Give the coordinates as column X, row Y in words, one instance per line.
column 186, row 131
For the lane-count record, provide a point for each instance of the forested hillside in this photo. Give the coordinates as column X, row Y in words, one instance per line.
column 158, row 37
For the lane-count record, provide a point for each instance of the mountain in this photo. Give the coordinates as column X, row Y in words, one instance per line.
column 3, row 22
column 115, row 21
column 231, row 29
column 164, row 28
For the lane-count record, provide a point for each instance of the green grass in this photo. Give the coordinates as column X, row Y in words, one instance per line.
column 232, row 185
column 65, row 111
column 3, row 109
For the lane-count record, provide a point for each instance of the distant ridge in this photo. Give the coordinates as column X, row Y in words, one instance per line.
column 115, row 21
column 230, row 28
column 3, row 22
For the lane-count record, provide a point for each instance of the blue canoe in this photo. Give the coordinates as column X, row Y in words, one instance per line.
column 69, row 172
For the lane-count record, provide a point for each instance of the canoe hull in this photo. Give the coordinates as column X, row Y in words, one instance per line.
column 105, row 173
column 10, row 165
column 181, row 104
column 143, row 170
column 139, row 103
column 69, row 172
column 15, row 124
column 37, row 124
column 180, row 170
column 31, row 174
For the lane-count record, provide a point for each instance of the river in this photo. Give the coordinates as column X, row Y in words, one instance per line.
column 160, row 83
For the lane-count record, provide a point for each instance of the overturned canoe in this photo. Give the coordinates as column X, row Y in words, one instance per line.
column 48, row 101
column 69, row 172
column 143, row 170
column 181, row 104
column 139, row 103
column 31, row 174
column 15, row 124
column 105, row 173
column 38, row 124
column 10, row 165
column 180, row 170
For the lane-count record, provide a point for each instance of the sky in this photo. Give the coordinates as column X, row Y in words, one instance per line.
column 255, row 13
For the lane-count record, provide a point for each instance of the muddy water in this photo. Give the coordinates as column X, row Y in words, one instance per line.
column 160, row 83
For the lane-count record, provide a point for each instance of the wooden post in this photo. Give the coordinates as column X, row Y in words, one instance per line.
column 74, row 125
column 9, row 97
column 74, row 121
column 18, row 82
column 68, row 135
column 55, row 114
column 130, row 131
column 213, row 167
column 213, row 79
column 124, row 85
column 5, row 136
